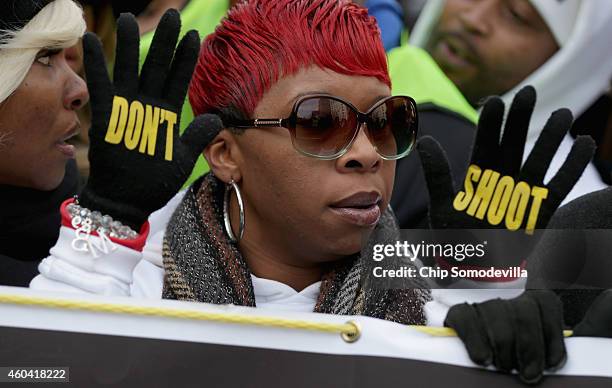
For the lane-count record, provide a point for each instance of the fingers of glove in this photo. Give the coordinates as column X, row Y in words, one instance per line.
column 182, row 67
column 597, row 321
column 437, row 170
column 570, row 172
column 486, row 145
column 529, row 335
column 161, row 52
column 464, row 319
column 98, row 81
column 202, row 130
column 515, row 132
column 495, row 315
column 546, row 146
column 551, row 317
column 125, row 72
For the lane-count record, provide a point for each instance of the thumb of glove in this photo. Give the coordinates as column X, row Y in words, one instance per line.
column 437, row 171
column 202, row 130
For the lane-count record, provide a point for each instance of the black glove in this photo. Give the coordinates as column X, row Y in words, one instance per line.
column 597, row 321
column 573, row 256
column 524, row 333
column 499, row 165
column 137, row 159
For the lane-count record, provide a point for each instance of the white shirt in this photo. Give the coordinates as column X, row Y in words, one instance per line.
column 270, row 294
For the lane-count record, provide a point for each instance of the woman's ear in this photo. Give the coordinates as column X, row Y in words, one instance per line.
column 224, row 157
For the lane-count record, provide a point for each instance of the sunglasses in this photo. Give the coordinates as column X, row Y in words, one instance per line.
column 325, row 127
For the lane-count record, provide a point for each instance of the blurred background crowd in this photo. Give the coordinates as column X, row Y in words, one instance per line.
column 397, row 19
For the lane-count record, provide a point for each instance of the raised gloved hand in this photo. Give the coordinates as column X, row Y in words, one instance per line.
column 137, row 159
column 597, row 321
column 497, row 192
column 523, row 334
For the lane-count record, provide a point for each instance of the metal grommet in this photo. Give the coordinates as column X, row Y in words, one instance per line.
column 353, row 336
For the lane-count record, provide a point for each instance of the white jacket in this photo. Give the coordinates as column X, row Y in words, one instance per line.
column 129, row 272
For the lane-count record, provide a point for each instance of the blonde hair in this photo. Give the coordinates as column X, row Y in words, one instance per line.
column 59, row 24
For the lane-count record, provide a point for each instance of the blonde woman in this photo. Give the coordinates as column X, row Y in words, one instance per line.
column 39, row 97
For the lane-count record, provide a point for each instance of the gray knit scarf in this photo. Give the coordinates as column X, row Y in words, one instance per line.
column 201, row 264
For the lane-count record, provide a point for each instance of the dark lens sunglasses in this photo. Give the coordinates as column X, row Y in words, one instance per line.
column 325, row 127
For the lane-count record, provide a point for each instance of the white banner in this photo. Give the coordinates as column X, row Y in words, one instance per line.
column 33, row 329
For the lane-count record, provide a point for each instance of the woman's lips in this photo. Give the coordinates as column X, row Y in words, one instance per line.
column 361, row 208
column 367, row 216
column 67, row 149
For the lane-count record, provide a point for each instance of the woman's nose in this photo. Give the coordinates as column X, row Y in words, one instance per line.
column 361, row 156
column 76, row 94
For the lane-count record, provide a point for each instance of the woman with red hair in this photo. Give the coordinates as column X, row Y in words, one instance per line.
column 301, row 171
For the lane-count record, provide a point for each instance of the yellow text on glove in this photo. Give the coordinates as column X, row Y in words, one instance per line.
column 136, row 124
column 500, row 198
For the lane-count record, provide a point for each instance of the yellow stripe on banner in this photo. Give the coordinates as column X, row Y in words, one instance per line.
column 349, row 331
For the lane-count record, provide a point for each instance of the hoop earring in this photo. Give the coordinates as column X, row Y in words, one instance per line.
column 226, row 218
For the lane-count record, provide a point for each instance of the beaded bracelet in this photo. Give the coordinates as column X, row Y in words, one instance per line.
column 103, row 224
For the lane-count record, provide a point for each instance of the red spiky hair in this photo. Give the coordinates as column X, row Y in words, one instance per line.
column 261, row 41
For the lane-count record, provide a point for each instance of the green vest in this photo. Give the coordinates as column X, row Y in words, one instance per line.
column 202, row 16
column 414, row 73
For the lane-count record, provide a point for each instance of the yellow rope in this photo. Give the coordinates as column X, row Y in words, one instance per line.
column 350, row 331
column 448, row 332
